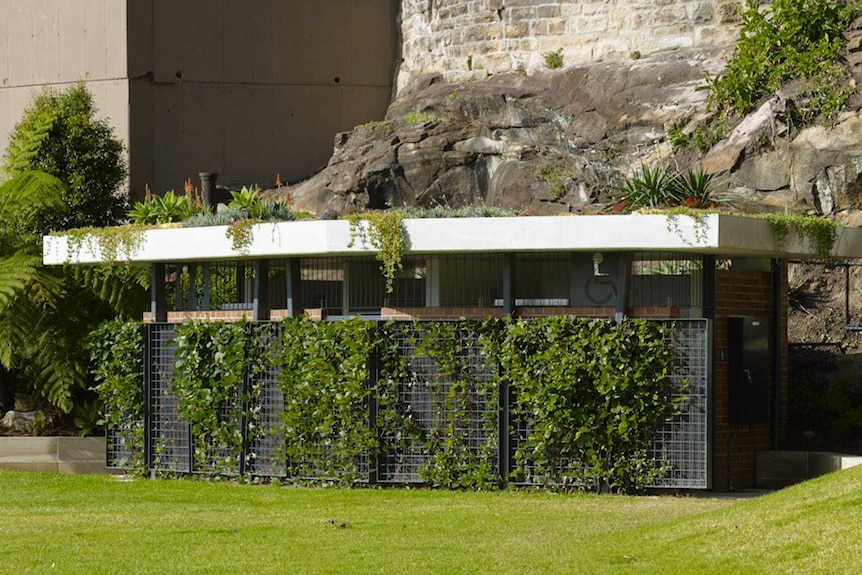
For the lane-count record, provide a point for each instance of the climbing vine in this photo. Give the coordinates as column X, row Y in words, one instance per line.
column 324, row 380
column 208, row 375
column 117, row 354
column 464, row 396
column 585, row 397
column 590, row 394
column 820, row 231
column 113, row 243
column 385, row 233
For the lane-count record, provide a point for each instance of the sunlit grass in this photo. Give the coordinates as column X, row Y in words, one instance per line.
column 95, row 524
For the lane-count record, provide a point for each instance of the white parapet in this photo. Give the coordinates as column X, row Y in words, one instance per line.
column 713, row 233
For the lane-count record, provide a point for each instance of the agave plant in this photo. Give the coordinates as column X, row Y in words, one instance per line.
column 695, row 189
column 649, row 189
column 164, row 209
column 249, row 201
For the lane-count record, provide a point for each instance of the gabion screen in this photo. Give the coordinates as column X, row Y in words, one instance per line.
column 423, row 410
column 170, row 437
column 435, row 410
column 684, row 441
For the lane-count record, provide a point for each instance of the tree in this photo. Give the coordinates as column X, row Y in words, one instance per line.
column 66, row 170
column 60, row 135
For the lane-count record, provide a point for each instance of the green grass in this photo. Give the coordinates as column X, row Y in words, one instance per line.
column 95, row 524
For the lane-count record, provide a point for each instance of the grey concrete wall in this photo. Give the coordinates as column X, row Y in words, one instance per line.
column 249, row 89
column 253, row 89
column 59, row 42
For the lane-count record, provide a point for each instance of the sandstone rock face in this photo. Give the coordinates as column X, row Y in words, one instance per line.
column 545, row 143
column 565, row 140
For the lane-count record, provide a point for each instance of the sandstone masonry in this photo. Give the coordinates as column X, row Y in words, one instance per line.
column 464, row 39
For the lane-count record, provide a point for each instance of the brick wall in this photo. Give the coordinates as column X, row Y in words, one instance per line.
column 743, row 293
column 472, row 38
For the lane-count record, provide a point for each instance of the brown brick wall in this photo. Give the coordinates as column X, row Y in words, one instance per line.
column 743, row 293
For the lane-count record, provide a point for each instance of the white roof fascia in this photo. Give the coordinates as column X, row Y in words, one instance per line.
column 713, row 233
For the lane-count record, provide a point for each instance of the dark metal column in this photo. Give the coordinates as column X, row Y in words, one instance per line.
column 158, row 311
column 508, row 284
column 261, row 304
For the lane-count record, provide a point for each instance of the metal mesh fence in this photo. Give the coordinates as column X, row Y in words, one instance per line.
column 125, row 447
column 436, row 408
column 266, row 437
column 170, row 437
column 425, row 409
column 684, row 442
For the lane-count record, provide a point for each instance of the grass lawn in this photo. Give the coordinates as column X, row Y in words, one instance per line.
column 98, row 524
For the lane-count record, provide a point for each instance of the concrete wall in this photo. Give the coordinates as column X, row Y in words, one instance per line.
column 253, row 89
column 471, row 38
column 57, row 43
column 53, row 454
column 248, row 89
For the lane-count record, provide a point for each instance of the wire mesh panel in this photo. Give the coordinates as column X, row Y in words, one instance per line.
column 266, row 436
column 125, row 446
column 439, row 411
column 684, row 442
column 170, row 437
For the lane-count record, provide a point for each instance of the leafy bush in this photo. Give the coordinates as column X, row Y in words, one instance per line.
column 60, row 135
column 116, row 349
column 790, row 40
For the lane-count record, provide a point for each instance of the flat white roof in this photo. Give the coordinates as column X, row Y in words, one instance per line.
column 708, row 234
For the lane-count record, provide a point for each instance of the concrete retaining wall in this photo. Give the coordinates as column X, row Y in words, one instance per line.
column 53, row 454
column 777, row 469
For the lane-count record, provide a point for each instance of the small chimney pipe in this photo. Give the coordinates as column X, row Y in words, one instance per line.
column 208, row 186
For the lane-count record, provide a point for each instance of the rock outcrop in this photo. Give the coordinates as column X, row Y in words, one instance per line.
column 540, row 142
column 565, row 140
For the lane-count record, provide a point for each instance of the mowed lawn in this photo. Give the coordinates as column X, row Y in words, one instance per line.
column 99, row 524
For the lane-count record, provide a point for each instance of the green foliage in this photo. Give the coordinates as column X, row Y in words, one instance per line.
column 208, row 375
column 165, row 209
column 114, row 242
column 557, row 176
column 588, row 393
column 385, row 233
column 42, row 312
column 456, row 389
column 412, row 118
column 592, row 394
column 554, row 60
column 659, row 187
column 117, row 353
column 820, row 231
column 463, row 212
column 324, row 380
column 789, row 40
column 59, row 135
column 249, row 201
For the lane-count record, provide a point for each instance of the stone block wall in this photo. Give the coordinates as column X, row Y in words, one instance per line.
column 464, row 39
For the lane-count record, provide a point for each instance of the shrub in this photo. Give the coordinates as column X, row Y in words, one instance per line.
column 60, row 135
column 791, row 40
